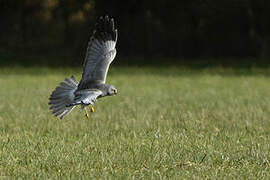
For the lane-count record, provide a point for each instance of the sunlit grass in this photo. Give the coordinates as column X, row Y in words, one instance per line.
column 170, row 122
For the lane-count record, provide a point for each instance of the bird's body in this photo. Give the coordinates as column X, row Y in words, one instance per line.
column 100, row 53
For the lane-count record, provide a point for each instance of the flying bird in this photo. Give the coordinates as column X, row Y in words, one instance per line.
column 99, row 55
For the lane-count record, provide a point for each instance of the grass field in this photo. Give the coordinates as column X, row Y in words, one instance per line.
column 165, row 123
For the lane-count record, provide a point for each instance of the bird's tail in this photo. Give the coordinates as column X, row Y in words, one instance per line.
column 62, row 96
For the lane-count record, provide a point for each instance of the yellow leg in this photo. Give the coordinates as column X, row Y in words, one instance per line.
column 92, row 109
column 86, row 114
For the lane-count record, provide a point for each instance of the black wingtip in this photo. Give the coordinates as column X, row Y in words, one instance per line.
column 105, row 29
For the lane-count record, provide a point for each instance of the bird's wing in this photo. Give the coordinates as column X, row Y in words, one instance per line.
column 100, row 52
column 86, row 97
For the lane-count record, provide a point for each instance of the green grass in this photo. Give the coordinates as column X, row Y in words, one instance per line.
column 165, row 123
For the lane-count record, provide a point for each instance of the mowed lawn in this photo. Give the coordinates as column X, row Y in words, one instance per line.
column 165, row 123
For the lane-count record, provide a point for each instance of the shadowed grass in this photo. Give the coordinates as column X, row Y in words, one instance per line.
column 169, row 122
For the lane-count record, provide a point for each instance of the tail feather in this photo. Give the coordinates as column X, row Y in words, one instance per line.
column 62, row 96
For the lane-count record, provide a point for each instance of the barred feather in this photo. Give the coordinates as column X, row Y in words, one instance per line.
column 62, row 96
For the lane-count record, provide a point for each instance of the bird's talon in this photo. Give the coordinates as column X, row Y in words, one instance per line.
column 86, row 114
column 92, row 109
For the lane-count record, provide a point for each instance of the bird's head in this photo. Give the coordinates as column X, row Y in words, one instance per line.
column 112, row 91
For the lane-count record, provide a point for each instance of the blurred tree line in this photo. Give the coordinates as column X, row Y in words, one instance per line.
column 148, row 28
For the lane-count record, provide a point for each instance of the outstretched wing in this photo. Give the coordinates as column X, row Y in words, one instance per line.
column 100, row 52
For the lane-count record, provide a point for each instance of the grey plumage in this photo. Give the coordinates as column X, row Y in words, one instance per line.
column 62, row 96
column 100, row 52
column 99, row 55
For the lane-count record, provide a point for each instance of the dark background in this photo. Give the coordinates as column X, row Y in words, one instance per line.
column 55, row 32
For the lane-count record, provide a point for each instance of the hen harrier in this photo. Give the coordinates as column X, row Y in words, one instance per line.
column 99, row 55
